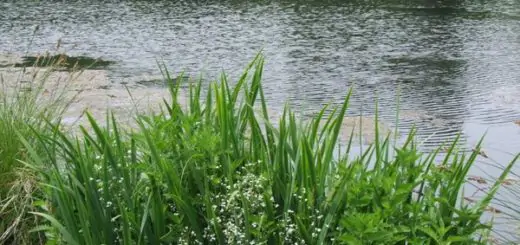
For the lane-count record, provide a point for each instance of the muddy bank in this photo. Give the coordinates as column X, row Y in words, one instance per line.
column 7, row 60
column 88, row 90
column 92, row 91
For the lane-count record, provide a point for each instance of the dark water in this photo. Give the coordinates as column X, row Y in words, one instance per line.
column 456, row 65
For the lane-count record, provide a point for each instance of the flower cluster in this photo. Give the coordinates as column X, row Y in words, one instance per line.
column 239, row 208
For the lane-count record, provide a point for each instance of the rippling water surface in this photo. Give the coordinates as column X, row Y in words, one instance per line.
column 452, row 65
column 456, row 67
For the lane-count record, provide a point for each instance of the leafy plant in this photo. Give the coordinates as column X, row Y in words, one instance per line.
column 217, row 172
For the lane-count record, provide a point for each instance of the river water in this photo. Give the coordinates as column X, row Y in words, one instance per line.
column 455, row 66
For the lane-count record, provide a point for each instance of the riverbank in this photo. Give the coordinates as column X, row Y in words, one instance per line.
column 93, row 91
column 84, row 90
column 217, row 170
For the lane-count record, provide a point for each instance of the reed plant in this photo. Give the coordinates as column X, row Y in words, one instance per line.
column 505, row 203
column 26, row 100
column 218, row 172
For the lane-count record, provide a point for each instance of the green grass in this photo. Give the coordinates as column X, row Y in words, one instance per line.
column 23, row 108
column 217, row 172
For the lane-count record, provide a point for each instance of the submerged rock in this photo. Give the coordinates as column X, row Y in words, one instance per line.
column 363, row 128
column 164, row 82
column 61, row 61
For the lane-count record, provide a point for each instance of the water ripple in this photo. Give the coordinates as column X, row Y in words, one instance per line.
column 452, row 64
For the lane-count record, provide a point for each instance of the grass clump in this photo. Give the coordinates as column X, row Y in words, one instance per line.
column 24, row 106
column 217, row 172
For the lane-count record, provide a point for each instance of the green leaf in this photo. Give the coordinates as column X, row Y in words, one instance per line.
column 458, row 239
column 64, row 232
column 349, row 239
column 428, row 231
column 378, row 236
